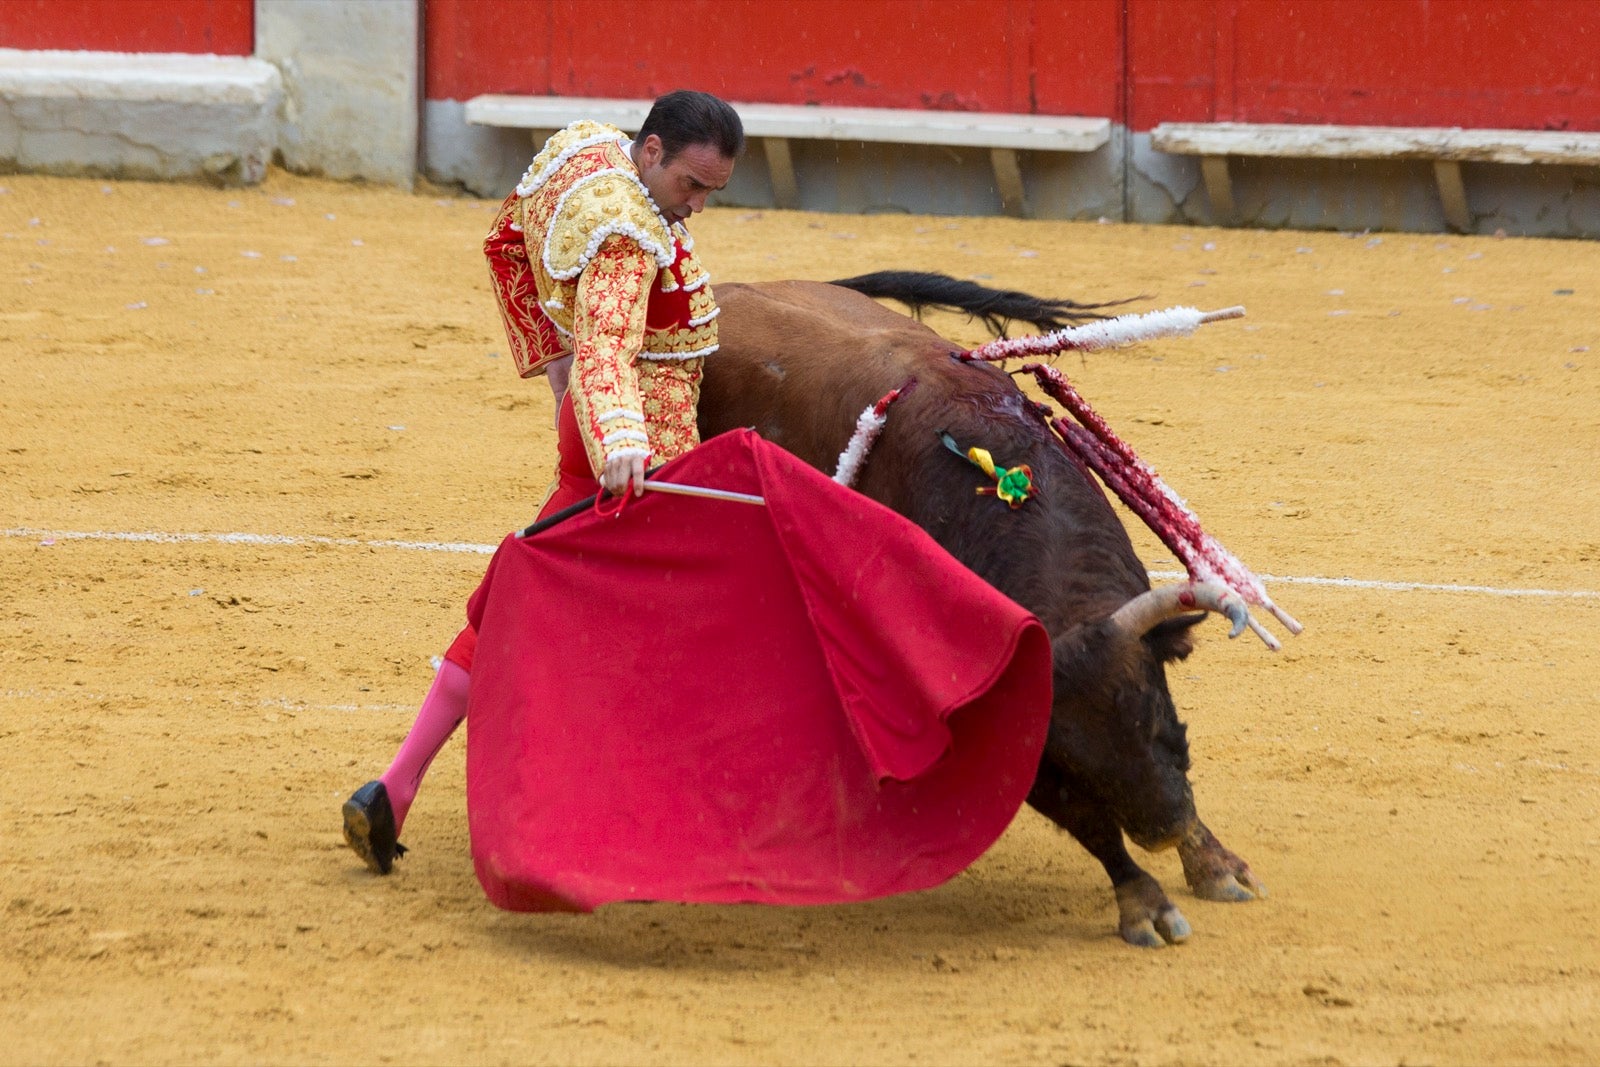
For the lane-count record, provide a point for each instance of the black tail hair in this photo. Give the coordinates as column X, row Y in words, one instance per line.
column 998, row 308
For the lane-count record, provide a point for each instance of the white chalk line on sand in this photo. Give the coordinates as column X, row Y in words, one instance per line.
column 1411, row 587
column 288, row 704
column 48, row 536
column 292, row 540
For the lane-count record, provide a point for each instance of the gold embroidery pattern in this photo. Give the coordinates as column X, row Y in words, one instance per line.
column 562, row 145
column 533, row 340
column 686, row 338
column 582, row 201
column 612, row 294
column 593, row 251
column 670, row 391
column 598, row 202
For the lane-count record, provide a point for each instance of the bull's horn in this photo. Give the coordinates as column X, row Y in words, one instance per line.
column 1148, row 610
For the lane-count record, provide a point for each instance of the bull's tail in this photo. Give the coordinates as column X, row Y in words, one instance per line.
column 998, row 308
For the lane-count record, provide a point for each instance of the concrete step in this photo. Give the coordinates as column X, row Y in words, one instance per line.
column 145, row 115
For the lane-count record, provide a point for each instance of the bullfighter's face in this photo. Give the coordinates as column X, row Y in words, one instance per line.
column 680, row 185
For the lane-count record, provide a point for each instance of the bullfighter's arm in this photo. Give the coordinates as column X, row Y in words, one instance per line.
column 608, row 333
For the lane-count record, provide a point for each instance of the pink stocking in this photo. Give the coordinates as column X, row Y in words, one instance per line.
column 442, row 711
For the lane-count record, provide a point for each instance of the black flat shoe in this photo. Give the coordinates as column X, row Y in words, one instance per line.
column 369, row 827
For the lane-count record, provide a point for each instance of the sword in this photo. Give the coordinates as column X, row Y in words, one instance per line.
column 705, row 491
column 661, row 487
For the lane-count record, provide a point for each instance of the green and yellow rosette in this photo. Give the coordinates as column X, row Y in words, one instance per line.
column 1011, row 484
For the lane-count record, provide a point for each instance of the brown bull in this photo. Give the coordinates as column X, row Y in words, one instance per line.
column 800, row 360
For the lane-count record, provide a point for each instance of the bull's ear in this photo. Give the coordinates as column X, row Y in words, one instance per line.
column 1172, row 640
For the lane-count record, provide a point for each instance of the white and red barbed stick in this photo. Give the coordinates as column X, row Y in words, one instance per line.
column 1110, row 333
column 1200, row 554
column 868, row 426
column 1147, row 496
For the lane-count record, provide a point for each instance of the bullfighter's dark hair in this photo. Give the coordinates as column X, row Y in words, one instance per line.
column 686, row 117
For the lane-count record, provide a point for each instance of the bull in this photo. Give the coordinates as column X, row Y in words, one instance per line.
column 799, row 361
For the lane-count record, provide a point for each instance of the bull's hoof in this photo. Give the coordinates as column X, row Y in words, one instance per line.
column 1229, row 889
column 1167, row 928
column 1215, row 873
column 1146, row 918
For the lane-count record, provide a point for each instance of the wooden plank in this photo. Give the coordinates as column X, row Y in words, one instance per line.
column 785, row 193
column 1008, row 179
column 1376, row 142
column 1452, row 194
column 1219, row 188
column 1061, row 133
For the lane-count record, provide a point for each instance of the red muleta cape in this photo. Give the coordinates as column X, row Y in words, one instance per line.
column 804, row 703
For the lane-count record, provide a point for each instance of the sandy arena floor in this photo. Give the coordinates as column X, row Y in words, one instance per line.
column 1404, row 433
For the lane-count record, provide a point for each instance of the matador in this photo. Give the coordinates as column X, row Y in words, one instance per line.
column 599, row 289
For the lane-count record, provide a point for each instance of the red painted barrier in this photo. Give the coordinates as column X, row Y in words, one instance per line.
column 972, row 55
column 221, row 27
column 1485, row 63
column 1517, row 64
column 1420, row 63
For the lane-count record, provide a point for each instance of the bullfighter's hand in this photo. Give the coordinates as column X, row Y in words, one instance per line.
column 620, row 471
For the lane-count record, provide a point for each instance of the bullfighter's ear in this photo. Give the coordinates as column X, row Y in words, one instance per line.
column 1171, row 640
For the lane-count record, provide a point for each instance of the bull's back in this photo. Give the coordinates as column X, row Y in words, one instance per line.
column 828, row 309
column 798, row 361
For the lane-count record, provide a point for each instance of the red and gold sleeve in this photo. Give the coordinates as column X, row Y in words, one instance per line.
column 608, row 332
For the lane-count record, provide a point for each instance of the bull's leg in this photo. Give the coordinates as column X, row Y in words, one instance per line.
column 1145, row 916
column 1214, row 872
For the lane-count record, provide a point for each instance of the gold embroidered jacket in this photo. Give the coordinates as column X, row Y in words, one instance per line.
column 584, row 263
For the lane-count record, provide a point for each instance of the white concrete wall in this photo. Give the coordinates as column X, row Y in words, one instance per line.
column 352, row 78
column 486, row 161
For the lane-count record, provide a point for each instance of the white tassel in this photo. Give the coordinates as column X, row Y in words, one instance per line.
column 868, row 427
column 1111, row 333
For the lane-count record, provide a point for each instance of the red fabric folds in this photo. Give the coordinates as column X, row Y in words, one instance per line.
column 808, row 702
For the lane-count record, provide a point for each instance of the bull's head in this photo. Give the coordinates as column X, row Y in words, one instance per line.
column 1114, row 731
